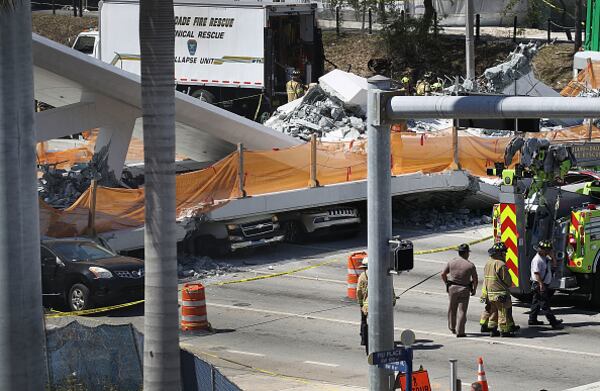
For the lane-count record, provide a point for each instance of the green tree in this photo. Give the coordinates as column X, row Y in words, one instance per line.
column 22, row 362
column 161, row 330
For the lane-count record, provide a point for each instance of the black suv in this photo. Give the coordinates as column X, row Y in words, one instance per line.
column 85, row 274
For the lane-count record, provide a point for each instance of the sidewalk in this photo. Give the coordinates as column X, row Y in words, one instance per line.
column 486, row 32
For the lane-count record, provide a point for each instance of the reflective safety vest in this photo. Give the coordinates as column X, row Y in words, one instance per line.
column 496, row 279
column 294, row 90
column 423, row 88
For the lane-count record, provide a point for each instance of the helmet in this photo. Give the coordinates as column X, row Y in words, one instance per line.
column 405, row 80
column 365, row 263
column 544, row 245
column 464, row 248
column 497, row 248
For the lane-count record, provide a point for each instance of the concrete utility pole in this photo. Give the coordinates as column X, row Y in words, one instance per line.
column 469, row 41
column 379, row 207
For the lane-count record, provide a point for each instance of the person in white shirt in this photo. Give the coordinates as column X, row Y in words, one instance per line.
column 541, row 277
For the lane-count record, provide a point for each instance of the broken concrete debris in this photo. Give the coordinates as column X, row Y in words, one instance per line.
column 61, row 188
column 320, row 113
column 440, row 219
column 190, row 267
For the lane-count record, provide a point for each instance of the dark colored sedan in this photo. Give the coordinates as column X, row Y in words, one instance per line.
column 85, row 274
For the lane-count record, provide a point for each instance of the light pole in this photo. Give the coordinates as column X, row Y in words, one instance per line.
column 379, row 222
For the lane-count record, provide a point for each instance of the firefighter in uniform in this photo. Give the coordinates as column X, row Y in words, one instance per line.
column 541, row 277
column 294, row 88
column 406, row 87
column 496, row 296
column 362, row 294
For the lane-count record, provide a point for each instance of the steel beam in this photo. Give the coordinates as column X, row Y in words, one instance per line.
column 477, row 107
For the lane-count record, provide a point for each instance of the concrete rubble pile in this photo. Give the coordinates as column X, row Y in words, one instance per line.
column 440, row 219
column 190, row 267
column 518, row 64
column 334, row 110
column 61, row 188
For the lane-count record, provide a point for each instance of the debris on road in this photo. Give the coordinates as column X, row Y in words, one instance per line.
column 441, row 219
column 190, row 267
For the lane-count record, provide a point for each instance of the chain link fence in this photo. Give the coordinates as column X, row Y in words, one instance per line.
column 109, row 358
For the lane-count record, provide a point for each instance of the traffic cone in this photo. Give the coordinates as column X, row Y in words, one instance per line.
column 481, row 379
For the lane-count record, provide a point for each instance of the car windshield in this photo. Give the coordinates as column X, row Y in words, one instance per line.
column 81, row 251
column 85, row 44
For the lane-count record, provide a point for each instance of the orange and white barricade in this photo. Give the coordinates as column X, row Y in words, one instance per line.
column 193, row 308
column 354, row 270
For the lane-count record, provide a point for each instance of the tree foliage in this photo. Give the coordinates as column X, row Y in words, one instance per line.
column 409, row 43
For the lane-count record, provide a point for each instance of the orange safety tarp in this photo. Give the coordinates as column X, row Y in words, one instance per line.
column 588, row 78
column 279, row 170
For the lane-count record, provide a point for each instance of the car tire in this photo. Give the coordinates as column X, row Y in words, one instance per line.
column 294, row 232
column 79, row 298
column 204, row 96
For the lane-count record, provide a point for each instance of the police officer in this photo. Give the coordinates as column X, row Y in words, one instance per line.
column 496, row 295
column 461, row 283
column 541, row 277
column 294, row 88
column 362, row 295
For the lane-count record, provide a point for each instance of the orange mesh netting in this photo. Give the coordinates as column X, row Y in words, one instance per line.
column 279, row 170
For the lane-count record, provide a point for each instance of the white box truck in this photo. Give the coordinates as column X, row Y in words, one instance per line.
column 237, row 54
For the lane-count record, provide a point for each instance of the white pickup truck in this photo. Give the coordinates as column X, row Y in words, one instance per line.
column 235, row 54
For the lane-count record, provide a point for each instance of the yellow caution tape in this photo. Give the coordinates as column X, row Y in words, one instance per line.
column 448, row 248
column 273, row 274
column 59, row 314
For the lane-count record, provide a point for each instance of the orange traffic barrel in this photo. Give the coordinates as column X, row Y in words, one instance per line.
column 354, row 270
column 193, row 308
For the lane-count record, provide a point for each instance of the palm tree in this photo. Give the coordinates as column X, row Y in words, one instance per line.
column 22, row 362
column 161, row 332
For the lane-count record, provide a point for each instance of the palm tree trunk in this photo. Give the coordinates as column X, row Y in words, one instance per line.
column 22, row 361
column 161, row 331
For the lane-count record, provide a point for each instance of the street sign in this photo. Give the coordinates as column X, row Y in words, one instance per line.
column 586, row 154
column 420, row 381
column 395, row 366
column 389, row 356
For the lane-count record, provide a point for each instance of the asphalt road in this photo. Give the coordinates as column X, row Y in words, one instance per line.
column 302, row 325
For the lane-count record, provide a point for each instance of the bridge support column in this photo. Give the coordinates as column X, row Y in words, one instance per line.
column 116, row 133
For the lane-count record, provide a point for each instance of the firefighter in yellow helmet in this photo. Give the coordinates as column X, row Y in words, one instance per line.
column 495, row 293
column 424, row 86
column 406, row 87
column 294, row 88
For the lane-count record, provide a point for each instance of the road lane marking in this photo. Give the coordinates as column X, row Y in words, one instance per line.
column 245, row 353
column 399, row 289
column 485, row 340
column 324, row 364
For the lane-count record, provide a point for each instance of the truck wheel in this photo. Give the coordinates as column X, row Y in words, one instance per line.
column 204, row 96
column 294, row 232
column 79, row 298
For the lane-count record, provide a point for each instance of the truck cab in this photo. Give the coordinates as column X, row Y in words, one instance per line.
column 573, row 222
column 88, row 42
